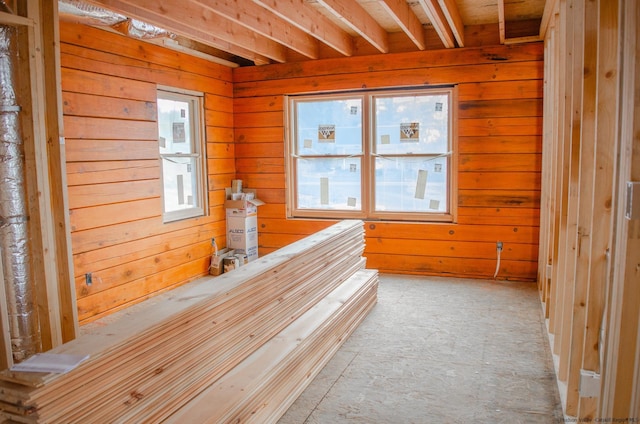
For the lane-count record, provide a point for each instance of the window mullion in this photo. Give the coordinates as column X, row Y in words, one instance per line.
column 368, row 167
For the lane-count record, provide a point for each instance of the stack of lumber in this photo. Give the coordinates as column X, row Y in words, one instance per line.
column 237, row 347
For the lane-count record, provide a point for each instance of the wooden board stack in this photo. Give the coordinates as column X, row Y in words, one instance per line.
column 239, row 347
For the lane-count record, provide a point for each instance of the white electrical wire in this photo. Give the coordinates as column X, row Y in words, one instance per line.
column 498, row 263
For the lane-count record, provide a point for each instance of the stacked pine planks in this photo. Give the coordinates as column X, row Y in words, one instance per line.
column 235, row 348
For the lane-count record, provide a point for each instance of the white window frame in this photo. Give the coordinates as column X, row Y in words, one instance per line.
column 196, row 129
column 368, row 159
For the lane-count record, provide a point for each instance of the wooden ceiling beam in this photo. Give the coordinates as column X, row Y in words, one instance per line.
column 402, row 14
column 451, row 12
column 354, row 15
column 301, row 15
column 439, row 21
column 257, row 19
column 208, row 28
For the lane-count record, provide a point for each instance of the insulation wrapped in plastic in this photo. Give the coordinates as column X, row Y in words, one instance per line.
column 14, row 230
column 138, row 29
column 89, row 14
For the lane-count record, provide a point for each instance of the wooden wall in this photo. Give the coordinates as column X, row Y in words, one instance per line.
column 109, row 101
column 589, row 250
column 109, row 93
column 499, row 155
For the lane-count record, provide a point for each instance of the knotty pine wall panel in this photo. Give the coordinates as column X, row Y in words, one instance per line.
column 499, row 126
column 109, row 87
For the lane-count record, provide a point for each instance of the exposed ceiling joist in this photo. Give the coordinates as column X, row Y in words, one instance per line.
column 439, row 21
column 208, row 28
column 268, row 31
column 354, row 15
column 402, row 13
column 450, row 10
column 257, row 19
column 301, row 15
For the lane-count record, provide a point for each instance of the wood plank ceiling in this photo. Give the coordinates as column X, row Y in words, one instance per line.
column 258, row 32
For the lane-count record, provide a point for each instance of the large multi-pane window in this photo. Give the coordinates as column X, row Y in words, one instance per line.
column 374, row 155
column 181, row 149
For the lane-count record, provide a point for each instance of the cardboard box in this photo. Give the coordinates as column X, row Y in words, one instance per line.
column 241, row 213
column 244, row 204
column 242, row 221
column 242, row 234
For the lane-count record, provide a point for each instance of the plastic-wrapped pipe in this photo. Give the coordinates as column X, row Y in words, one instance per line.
column 93, row 15
column 14, row 230
column 141, row 30
column 88, row 13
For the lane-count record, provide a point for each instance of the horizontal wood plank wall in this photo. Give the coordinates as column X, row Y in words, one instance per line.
column 499, row 155
column 109, row 99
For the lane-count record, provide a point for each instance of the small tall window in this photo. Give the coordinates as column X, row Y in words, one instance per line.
column 181, row 149
column 374, row 155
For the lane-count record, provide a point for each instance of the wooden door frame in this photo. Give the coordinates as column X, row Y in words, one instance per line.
column 40, row 93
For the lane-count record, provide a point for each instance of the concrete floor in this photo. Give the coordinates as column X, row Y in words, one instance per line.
column 440, row 350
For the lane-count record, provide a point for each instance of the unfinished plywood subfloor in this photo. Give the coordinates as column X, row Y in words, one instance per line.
column 440, row 350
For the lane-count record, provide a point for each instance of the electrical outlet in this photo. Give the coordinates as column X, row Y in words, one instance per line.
column 589, row 384
column 499, row 245
column 88, row 278
column 632, row 207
